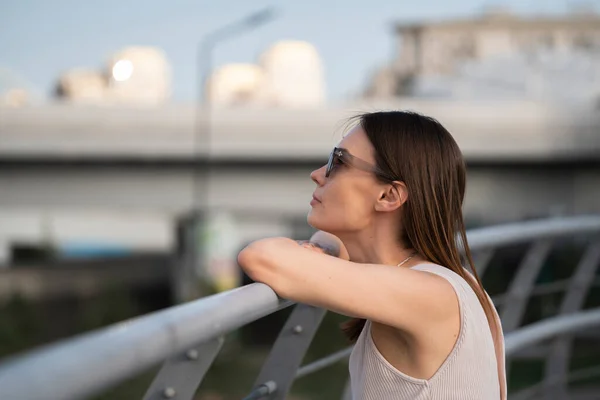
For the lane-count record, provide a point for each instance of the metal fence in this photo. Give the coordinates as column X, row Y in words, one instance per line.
column 187, row 338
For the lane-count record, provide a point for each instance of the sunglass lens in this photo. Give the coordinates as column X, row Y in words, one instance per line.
column 329, row 165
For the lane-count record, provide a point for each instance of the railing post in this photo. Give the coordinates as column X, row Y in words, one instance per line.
column 520, row 288
column 557, row 364
column 482, row 259
column 181, row 375
column 550, row 328
column 289, row 349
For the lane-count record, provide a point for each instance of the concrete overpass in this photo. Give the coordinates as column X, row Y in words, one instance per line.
column 121, row 176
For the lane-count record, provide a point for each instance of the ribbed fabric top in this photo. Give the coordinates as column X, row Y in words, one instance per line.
column 470, row 372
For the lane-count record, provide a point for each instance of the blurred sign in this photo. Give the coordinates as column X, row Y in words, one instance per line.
column 220, row 244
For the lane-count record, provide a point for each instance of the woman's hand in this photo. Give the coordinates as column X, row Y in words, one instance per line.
column 328, row 244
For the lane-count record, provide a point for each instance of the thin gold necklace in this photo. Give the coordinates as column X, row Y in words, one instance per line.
column 407, row 258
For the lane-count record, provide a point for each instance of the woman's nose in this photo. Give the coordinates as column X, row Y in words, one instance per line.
column 318, row 175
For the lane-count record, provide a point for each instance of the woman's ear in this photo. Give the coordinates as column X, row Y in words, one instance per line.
column 392, row 197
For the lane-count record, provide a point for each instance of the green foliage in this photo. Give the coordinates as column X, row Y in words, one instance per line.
column 20, row 327
column 112, row 305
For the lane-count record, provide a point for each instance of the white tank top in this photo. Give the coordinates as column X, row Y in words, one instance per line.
column 470, row 372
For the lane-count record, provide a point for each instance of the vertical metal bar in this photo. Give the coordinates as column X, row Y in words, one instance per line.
column 557, row 364
column 520, row 288
column 181, row 375
column 482, row 259
column 289, row 349
column 517, row 295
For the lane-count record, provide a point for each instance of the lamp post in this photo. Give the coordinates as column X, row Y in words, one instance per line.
column 189, row 269
column 205, row 69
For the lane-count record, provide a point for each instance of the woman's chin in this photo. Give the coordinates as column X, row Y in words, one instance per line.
column 313, row 221
column 317, row 223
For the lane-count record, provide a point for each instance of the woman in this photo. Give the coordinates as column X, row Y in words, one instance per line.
column 388, row 207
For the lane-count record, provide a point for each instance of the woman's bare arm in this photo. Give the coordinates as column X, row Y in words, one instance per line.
column 398, row 297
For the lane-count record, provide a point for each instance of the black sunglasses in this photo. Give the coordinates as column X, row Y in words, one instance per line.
column 342, row 155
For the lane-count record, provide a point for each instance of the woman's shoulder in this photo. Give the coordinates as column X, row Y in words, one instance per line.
column 453, row 277
column 435, row 269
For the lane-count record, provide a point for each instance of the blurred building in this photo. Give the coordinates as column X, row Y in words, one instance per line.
column 82, row 85
column 293, row 74
column 498, row 51
column 15, row 91
column 140, row 75
column 235, row 84
column 134, row 75
column 16, row 97
column 288, row 74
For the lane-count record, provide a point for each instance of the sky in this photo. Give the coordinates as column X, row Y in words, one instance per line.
column 40, row 39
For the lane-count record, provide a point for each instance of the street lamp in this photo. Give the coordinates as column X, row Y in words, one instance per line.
column 205, row 69
column 186, row 279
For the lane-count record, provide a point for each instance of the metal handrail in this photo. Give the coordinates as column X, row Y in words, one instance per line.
column 518, row 232
column 545, row 289
column 87, row 364
column 324, row 362
column 548, row 328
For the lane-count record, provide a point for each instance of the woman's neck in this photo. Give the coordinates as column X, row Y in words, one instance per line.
column 372, row 248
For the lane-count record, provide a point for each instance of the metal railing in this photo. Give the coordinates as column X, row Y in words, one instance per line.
column 189, row 336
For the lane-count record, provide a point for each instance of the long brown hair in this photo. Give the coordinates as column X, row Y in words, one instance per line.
column 420, row 152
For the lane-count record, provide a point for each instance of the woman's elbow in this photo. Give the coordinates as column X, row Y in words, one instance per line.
column 254, row 264
column 258, row 262
column 248, row 260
